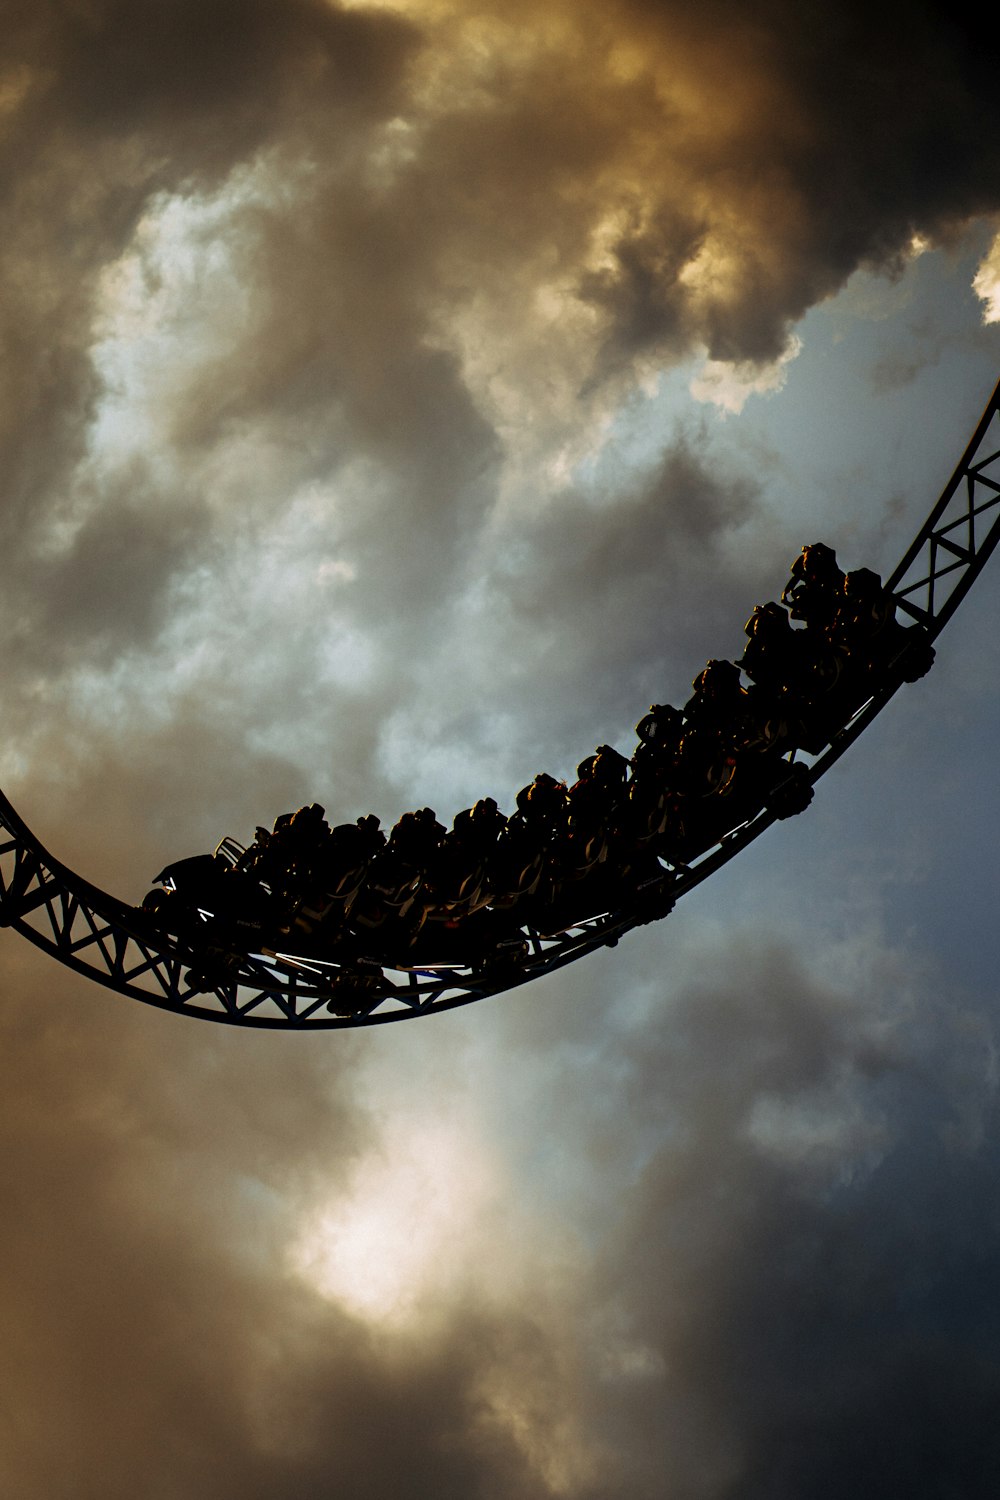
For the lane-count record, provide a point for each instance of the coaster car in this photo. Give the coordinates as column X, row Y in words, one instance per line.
column 388, row 893
column 594, row 804
column 868, row 631
column 560, row 903
column 801, row 690
column 516, row 863
column 482, row 940
column 354, row 989
column 456, row 878
column 205, row 893
column 659, row 728
column 758, row 780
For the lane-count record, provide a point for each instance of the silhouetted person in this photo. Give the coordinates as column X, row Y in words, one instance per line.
column 814, row 591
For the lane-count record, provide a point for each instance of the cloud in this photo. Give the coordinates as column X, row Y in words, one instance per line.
column 321, row 329
column 786, row 1285
column 729, row 386
column 986, row 283
column 418, row 258
column 763, row 1257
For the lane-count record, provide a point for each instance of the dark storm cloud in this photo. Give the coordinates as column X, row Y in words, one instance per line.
column 199, row 86
column 823, row 138
column 152, row 1174
column 111, row 583
column 679, row 179
column 807, row 1258
column 613, row 603
column 630, row 561
column 149, row 1318
column 794, row 1292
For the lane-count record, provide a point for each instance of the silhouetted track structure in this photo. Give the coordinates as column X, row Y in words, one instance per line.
column 106, row 940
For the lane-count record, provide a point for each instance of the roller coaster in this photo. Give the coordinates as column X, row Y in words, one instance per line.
column 693, row 796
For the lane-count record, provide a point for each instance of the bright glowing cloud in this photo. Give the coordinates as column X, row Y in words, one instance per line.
column 414, row 1223
column 173, row 304
column 986, row 283
column 729, row 386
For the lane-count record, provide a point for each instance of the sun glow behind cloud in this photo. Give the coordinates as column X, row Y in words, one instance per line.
column 416, row 1222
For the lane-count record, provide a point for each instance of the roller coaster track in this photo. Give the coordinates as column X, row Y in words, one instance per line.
column 110, row 942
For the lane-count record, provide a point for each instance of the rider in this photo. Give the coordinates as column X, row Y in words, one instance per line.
column 815, row 590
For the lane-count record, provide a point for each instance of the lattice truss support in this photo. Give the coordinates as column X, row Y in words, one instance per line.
column 953, row 545
column 107, row 941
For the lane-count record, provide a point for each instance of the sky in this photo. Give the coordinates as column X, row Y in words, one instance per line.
column 397, row 398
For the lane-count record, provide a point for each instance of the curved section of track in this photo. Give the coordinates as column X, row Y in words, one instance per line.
column 109, row 942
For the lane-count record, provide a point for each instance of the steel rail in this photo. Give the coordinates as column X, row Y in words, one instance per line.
column 104, row 939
